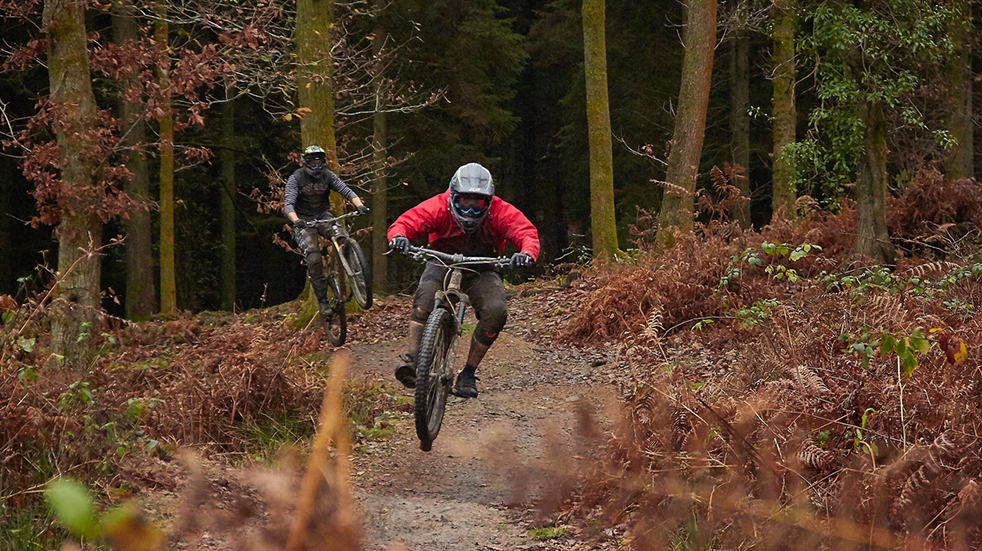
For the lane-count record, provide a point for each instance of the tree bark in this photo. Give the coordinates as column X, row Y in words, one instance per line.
column 140, row 299
column 168, row 272
column 380, row 266
column 602, row 221
column 739, row 115
column 227, row 204
column 76, row 304
column 380, row 262
column 315, row 89
column 699, row 39
column 872, row 238
column 314, row 74
column 958, row 74
column 783, row 194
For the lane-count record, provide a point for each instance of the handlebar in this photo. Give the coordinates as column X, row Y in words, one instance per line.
column 421, row 254
column 334, row 219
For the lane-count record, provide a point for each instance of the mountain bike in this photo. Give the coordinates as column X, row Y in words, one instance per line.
column 345, row 256
column 435, row 360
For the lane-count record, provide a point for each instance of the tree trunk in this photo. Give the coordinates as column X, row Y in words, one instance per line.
column 168, row 279
column 958, row 74
column 140, row 297
column 699, row 38
column 314, row 74
column 739, row 115
column 76, row 304
column 380, row 191
column 782, row 188
column 380, row 262
column 380, row 266
column 315, row 90
column 227, row 204
column 602, row 221
column 872, row 238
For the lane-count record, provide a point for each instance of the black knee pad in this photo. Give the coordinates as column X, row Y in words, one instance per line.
column 490, row 322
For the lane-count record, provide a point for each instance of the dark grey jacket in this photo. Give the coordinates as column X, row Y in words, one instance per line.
column 309, row 197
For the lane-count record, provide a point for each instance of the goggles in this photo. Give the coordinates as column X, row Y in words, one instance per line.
column 471, row 207
column 315, row 161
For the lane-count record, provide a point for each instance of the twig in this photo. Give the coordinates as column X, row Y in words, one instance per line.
column 700, row 318
column 900, row 385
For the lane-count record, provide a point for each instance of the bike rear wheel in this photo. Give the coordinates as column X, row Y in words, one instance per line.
column 335, row 320
column 434, row 375
column 360, row 277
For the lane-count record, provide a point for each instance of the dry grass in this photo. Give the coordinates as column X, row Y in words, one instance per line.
column 770, row 428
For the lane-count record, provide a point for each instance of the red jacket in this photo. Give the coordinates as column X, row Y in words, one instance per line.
column 432, row 219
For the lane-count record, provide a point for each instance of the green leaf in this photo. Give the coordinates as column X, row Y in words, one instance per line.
column 919, row 342
column 72, row 505
column 908, row 363
column 901, row 346
column 865, row 418
column 887, row 343
column 27, row 345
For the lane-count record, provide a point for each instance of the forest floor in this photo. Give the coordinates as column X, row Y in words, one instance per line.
column 497, row 460
column 727, row 404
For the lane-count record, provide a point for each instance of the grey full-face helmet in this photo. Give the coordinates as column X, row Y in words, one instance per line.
column 471, row 192
column 314, row 161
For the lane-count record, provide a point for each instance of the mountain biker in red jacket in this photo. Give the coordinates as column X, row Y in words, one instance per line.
column 467, row 219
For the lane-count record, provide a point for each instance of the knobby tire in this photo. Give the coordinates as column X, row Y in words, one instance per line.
column 434, row 375
column 336, row 323
column 360, row 277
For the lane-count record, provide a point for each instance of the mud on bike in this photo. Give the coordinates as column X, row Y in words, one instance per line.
column 344, row 257
column 435, row 360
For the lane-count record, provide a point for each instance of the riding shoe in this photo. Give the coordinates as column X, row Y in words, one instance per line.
column 466, row 385
column 406, row 371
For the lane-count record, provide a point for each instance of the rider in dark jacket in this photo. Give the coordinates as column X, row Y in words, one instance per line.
column 466, row 219
column 306, row 198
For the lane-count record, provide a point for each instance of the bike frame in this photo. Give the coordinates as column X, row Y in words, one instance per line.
column 434, row 367
column 339, row 234
column 452, row 297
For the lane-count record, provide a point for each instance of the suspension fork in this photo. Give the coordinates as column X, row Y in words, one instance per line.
column 453, row 296
column 339, row 235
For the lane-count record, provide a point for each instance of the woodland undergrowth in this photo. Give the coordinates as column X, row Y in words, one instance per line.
column 785, row 395
column 158, row 396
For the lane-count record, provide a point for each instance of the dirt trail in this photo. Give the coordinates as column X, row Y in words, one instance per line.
column 516, row 446
column 517, row 442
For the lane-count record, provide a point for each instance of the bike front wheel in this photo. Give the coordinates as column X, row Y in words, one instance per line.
column 335, row 320
column 434, row 375
column 359, row 275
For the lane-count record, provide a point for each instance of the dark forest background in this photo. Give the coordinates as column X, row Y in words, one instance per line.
column 508, row 77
